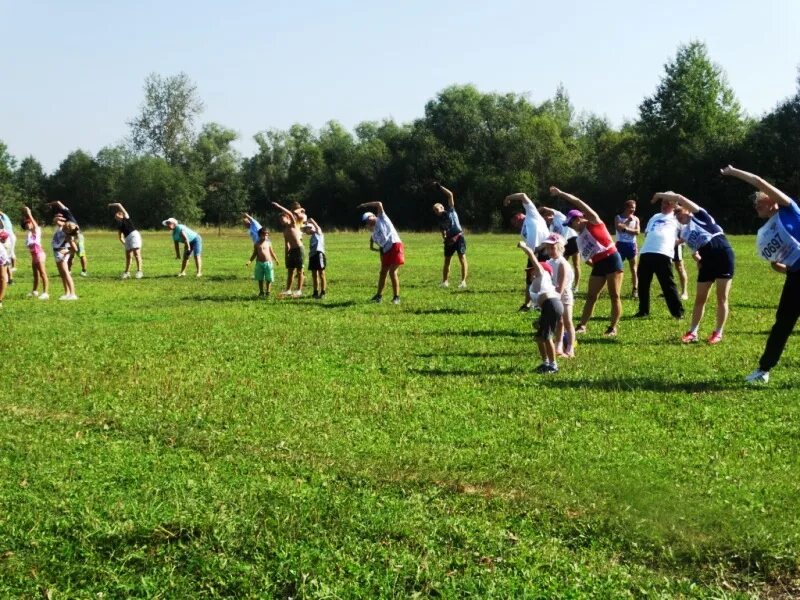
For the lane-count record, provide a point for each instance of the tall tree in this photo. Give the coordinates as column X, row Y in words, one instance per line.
column 164, row 126
column 690, row 123
column 216, row 165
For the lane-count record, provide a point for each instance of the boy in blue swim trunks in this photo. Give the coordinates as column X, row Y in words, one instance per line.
column 265, row 258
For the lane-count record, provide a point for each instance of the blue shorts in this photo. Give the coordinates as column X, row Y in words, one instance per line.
column 195, row 247
column 607, row 266
column 627, row 250
column 716, row 260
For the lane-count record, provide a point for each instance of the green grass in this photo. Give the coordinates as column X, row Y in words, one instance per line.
column 178, row 438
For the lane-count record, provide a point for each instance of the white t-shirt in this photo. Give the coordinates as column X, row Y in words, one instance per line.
column 632, row 221
column 661, row 234
column 559, row 225
column 569, row 278
column 542, row 288
column 384, row 234
column 534, row 228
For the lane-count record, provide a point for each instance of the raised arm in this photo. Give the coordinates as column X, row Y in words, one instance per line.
column 677, row 199
column 587, row 210
column 121, row 209
column 315, row 224
column 531, row 256
column 760, row 184
column 447, row 194
column 29, row 216
column 546, row 211
column 57, row 204
column 377, row 206
column 284, row 210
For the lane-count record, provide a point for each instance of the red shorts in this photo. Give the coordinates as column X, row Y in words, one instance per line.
column 395, row 256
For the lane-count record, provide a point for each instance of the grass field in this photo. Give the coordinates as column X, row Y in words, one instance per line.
column 179, row 438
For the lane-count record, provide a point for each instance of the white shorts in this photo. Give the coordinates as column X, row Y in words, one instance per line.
column 133, row 241
column 60, row 256
column 9, row 244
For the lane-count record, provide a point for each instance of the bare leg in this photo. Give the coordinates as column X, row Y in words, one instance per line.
column 323, row 282
column 382, row 279
column 701, row 296
column 569, row 328
column 596, row 285
column 301, row 276
column 395, row 279
column 289, row 278
column 446, row 268
column 35, row 268
column 198, row 262
column 128, row 260
column 542, row 349
column 184, row 262
column 684, row 280
column 614, row 281
column 634, row 262
column 723, row 290
column 40, row 271
column 137, row 253
column 462, row 258
column 576, row 266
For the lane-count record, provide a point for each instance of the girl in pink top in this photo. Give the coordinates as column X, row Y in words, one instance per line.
column 34, row 243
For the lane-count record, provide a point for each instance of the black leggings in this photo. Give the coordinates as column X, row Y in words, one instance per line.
column 785, row 319
column 659, row 265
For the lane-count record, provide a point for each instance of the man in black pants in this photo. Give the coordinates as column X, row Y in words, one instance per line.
column 655, row 258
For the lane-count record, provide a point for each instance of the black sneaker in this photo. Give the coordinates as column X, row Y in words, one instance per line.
column 322, row 295
column 524, row 308
column 315, row 295
column 377, row 299
column 542, row 368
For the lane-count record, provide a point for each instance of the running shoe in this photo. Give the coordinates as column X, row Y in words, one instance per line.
column 758, row 377
column 322, row 295
column 580, row 329
column 377, row 299
column 181, row 274
column 635, row 294
column 33, row 294
column 139, row 274
column 542, row 368
column 315, row 295
column 524, row 308
column 690, row 337
column 44, row 296
column 84, row 274
column 125, row 275
column 444, row 284
column 462, row 285
column 396, row 300
column 684, row 296
column 610, row 332
column 297, row 294
column 715, row 338
column 285, row 293
column 199, row 275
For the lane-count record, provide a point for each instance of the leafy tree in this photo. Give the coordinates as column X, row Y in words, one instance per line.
column 79, row 183
column 153, row 190
column 165, row 124
column 690, row 123
column 30, row 182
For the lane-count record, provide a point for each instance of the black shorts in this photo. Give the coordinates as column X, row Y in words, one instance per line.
column 716, row 260
column 571, row 247
column 545, row 326
column 295, row 258
column 607, row 266
column 317, row 262
column 459, row 245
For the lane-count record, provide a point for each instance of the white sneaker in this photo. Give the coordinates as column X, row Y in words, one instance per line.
column 285, row 293
column 758, row 376
column 84, row 274
column 181, row 274
column 297, row 294
column 139, row 274
column 33, row 294
column 65, row 297
column 44, row 296
column 199, row 275
column 125, row 275
column 684, row 296
column 444, row 284
column 462, row 285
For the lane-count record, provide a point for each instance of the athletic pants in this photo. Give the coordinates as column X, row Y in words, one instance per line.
column 785, row 319
column 659, row 265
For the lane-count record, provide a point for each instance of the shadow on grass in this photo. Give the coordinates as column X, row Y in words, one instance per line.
column 480, row 372
column 330, row 305
column 654, row 385
column 220, row 277
column 482, row 333
column 440, row 311
column 226, row 298
column 446, row 354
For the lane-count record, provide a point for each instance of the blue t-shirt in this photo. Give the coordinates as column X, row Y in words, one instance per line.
column 176, row 233
column 699, row 230
column 253, row 231
column 790, row 219
column 7, row 223
column 449, row 223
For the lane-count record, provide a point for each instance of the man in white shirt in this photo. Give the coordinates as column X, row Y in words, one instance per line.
column 655, row 258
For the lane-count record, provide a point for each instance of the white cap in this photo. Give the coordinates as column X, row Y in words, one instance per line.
column 366, row 216
column 172, row 220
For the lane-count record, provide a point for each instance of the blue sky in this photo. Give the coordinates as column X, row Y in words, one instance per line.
column 72, row 71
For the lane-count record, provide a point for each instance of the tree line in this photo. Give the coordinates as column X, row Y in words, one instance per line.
column 482, row 145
